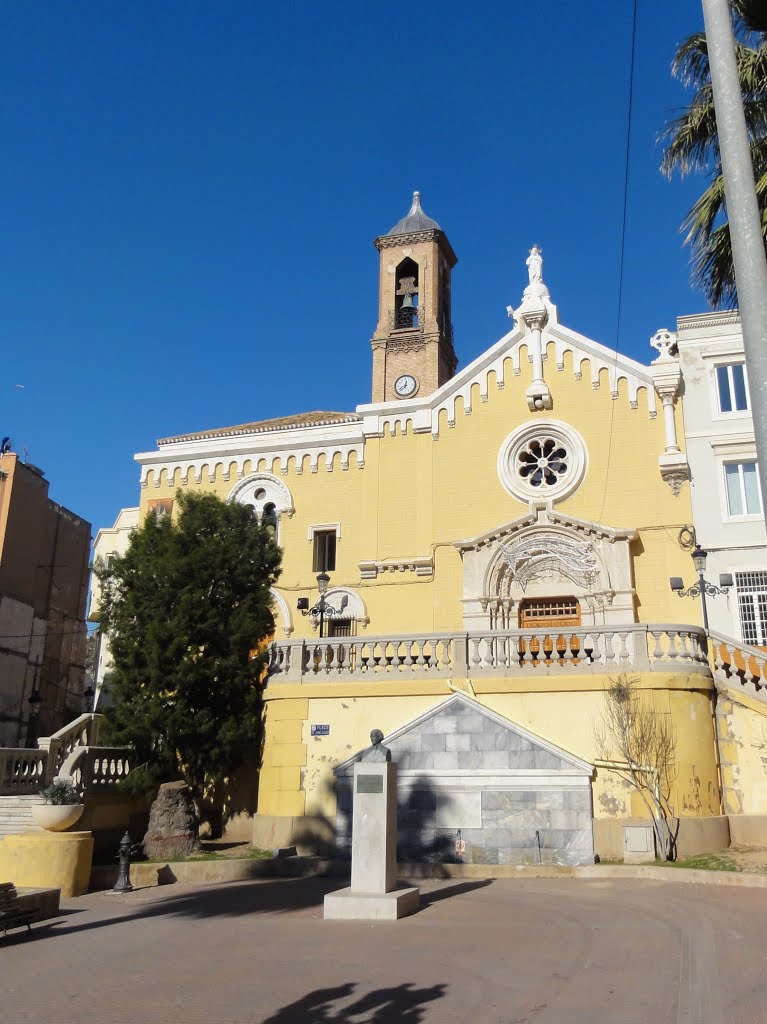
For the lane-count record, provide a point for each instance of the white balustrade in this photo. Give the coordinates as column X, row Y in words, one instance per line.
column 513, row 652
column 82, row 732
column 92, row 768
column 739, row 665
column 21, row 770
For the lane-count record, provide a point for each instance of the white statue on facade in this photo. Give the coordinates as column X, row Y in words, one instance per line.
column 536, row 289
column 534, row 263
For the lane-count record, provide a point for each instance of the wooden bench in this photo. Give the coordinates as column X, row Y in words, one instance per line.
column 12, row 913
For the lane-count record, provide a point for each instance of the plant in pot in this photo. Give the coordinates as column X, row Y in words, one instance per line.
column 60, row 806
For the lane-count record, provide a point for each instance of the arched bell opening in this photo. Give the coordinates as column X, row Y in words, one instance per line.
column 406, row 295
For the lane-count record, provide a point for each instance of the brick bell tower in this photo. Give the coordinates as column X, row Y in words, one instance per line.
column 413, row 343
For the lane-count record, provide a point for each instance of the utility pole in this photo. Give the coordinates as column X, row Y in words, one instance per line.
column 743, row 215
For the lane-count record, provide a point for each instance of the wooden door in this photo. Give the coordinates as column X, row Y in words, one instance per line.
column 550, row 614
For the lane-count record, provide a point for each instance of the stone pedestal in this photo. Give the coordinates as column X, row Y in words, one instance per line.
column 373, row 895
column 43, row 860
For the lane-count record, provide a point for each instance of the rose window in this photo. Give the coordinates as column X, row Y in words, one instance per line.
column 543, row 462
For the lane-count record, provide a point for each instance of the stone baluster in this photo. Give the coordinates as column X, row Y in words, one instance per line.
column 568, row 658
column 527, row 657
column 420, row 660
column 672, row 654
column 444, row 658
column 502, row 655
column 475, row 659
column 408, row 662
column 623, row 651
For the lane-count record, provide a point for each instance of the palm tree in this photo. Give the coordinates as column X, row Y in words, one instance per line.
column 691, row 144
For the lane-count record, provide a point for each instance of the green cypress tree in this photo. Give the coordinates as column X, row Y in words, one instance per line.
column 187, row 611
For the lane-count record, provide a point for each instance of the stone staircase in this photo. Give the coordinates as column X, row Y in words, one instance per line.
column 72, row 753
column 738, row 667
column 16, row 815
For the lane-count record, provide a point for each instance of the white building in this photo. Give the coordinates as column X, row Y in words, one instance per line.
column 108, row 542
column 727, row 509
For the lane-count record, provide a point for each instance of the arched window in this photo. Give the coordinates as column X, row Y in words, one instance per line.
column 269, row 517
column 406, row 293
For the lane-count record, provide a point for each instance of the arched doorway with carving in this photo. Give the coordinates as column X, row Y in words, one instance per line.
column 548, row 571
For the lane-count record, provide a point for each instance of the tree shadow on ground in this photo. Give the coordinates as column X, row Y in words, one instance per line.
column 404, row 1004
column 234, row 899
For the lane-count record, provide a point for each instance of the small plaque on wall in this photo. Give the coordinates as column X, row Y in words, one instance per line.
column 370, row 783
column 320, row 730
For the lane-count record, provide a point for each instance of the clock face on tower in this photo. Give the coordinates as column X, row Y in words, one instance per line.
column 405, row 386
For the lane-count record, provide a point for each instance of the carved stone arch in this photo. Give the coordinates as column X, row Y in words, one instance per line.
column 285, row 613
column 547, row 555
column 275, row 492
column 349, row 602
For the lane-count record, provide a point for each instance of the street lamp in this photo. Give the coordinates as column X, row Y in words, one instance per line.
column 702, row 588
column 34, row 700
column 322, row 609
column 88, row 696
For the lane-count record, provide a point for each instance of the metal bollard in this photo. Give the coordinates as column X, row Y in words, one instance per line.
column 123, row 883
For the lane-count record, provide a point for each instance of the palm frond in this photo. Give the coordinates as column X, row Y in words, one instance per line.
column 690, row 63
column 691, row 143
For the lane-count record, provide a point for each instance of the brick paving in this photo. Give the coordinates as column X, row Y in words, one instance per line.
column 533, row 951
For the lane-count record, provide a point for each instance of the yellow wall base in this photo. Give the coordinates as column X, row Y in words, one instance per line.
column 48, row 860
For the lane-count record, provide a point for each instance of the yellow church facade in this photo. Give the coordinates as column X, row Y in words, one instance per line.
column 498, row 540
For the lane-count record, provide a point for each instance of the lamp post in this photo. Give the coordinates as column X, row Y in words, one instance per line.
column 323, row 581
column 322, row 609
column 34, row 700
column 702, row 588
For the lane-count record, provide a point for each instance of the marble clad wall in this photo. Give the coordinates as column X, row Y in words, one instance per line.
column 503, row 818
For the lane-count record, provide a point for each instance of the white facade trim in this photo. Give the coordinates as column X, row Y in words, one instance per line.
column 284, row 610
column 275, row 492
column 206, row 456
column 322, row 527
column 517, row 440
column 422, row 415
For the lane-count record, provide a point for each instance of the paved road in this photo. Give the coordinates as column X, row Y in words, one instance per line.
column 500, row 952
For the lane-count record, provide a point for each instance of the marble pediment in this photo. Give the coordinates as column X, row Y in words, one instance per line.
column 461, row 735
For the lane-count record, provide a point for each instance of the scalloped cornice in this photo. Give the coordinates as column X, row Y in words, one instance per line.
column 422, row 415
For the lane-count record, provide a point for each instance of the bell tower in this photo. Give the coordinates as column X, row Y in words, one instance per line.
column 413, row 343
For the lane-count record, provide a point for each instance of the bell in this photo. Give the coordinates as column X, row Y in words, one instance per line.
column 407, row 301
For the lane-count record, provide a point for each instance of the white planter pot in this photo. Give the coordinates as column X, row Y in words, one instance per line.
column 57, row 817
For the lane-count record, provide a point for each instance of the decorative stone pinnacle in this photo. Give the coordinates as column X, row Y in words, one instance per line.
column 664, row 341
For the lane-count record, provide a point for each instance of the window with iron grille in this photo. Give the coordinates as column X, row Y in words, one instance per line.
column 324, row 551
column 341, row 627
column 752, row 605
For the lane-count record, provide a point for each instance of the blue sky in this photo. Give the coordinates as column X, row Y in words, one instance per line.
column 190, row 192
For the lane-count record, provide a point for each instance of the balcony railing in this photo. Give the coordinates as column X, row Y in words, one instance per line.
column 410, row 319
column 515, row 652
column 414, row 319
